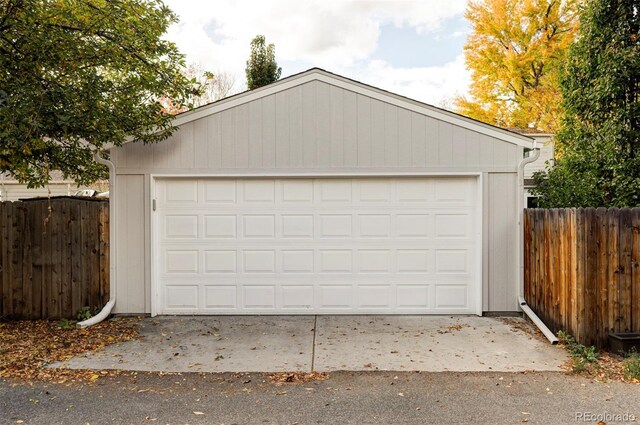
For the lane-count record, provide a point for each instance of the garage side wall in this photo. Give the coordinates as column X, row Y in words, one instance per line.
column 500, row 227
column 131, row 255
column 317, row 128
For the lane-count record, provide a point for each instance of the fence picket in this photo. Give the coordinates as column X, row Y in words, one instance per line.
column 584, row 275
column 41, row 251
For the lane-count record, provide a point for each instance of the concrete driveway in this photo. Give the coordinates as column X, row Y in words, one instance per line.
column 329, row 343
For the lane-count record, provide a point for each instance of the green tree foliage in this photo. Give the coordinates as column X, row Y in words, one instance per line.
column 78, row 75
column 598, row 160
column 262, row 68
column 515, row 53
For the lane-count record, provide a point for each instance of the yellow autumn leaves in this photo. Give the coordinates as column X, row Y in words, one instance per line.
column 515, row 52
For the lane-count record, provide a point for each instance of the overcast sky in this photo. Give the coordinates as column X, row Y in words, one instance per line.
column 410, row 47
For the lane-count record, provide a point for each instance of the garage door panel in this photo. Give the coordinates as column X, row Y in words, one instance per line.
column 414, row 296
column 220, row 261
column 182, row 297
column 223, row 297
column 297, row 261
column 219, row 191
column 374, row 225
column 259, row 226
column 413, row 226
column 375, row 296
column 220, row 226
column 452, row 261
column 259, row 191
column 415, row 190
column 374, row 261
column 254, row 246
column 336, row 225
column 180, row 192
column 453, row 225
column 180, row 226
column 297, row 191
column 373, row 190
column 180, row 261
column 335, row 261
column 297, row 296
column 259, row 261
column 413, row 260
column 297, row 225
column 452, row 296
column 335, row 296
column 452, row 190
column 335, row 191
column 259, row 296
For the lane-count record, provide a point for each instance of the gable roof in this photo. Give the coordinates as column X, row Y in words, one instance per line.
column 317, row 74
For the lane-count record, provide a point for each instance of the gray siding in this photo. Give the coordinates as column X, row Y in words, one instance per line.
column 500, row 232
column 315, row 126
column 318, row 128
column 132, row 294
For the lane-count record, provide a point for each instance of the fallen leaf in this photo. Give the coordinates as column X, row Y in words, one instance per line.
column 292, row 377
column 27, row 347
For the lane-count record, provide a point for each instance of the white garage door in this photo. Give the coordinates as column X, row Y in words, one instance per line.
column 306, row 246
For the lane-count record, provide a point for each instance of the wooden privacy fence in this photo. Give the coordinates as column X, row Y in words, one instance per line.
column 581, row 270
column 54, row 257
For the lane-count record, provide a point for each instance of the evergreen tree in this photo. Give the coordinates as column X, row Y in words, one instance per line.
column 262, row 68
column 598, row 160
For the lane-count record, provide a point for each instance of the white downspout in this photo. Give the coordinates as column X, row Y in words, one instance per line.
column 520, row 274
column 106, row 310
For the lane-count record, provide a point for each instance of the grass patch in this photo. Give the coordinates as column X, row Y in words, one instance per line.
column 587, row 361
column 584, row 358
column 631, row 366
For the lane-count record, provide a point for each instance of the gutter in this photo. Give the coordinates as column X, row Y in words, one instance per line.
column 106, row 310
column 520, row 272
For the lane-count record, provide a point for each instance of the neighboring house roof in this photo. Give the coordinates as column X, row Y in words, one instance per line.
column 317, row 74
column 56, row 177
column 529, row 131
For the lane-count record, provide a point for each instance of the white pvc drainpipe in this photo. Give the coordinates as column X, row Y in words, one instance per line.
column 520, row 207
column 106, row 310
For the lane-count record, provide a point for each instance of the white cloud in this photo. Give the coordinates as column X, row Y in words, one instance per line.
column 337, row 35
column 433, row 85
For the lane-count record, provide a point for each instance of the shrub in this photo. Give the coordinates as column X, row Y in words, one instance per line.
column 632, row 366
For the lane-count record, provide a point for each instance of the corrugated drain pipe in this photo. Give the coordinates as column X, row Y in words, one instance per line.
column 520, row 207
column 106, row 310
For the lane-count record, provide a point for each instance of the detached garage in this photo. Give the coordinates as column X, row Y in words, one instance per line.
column 319, row 195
